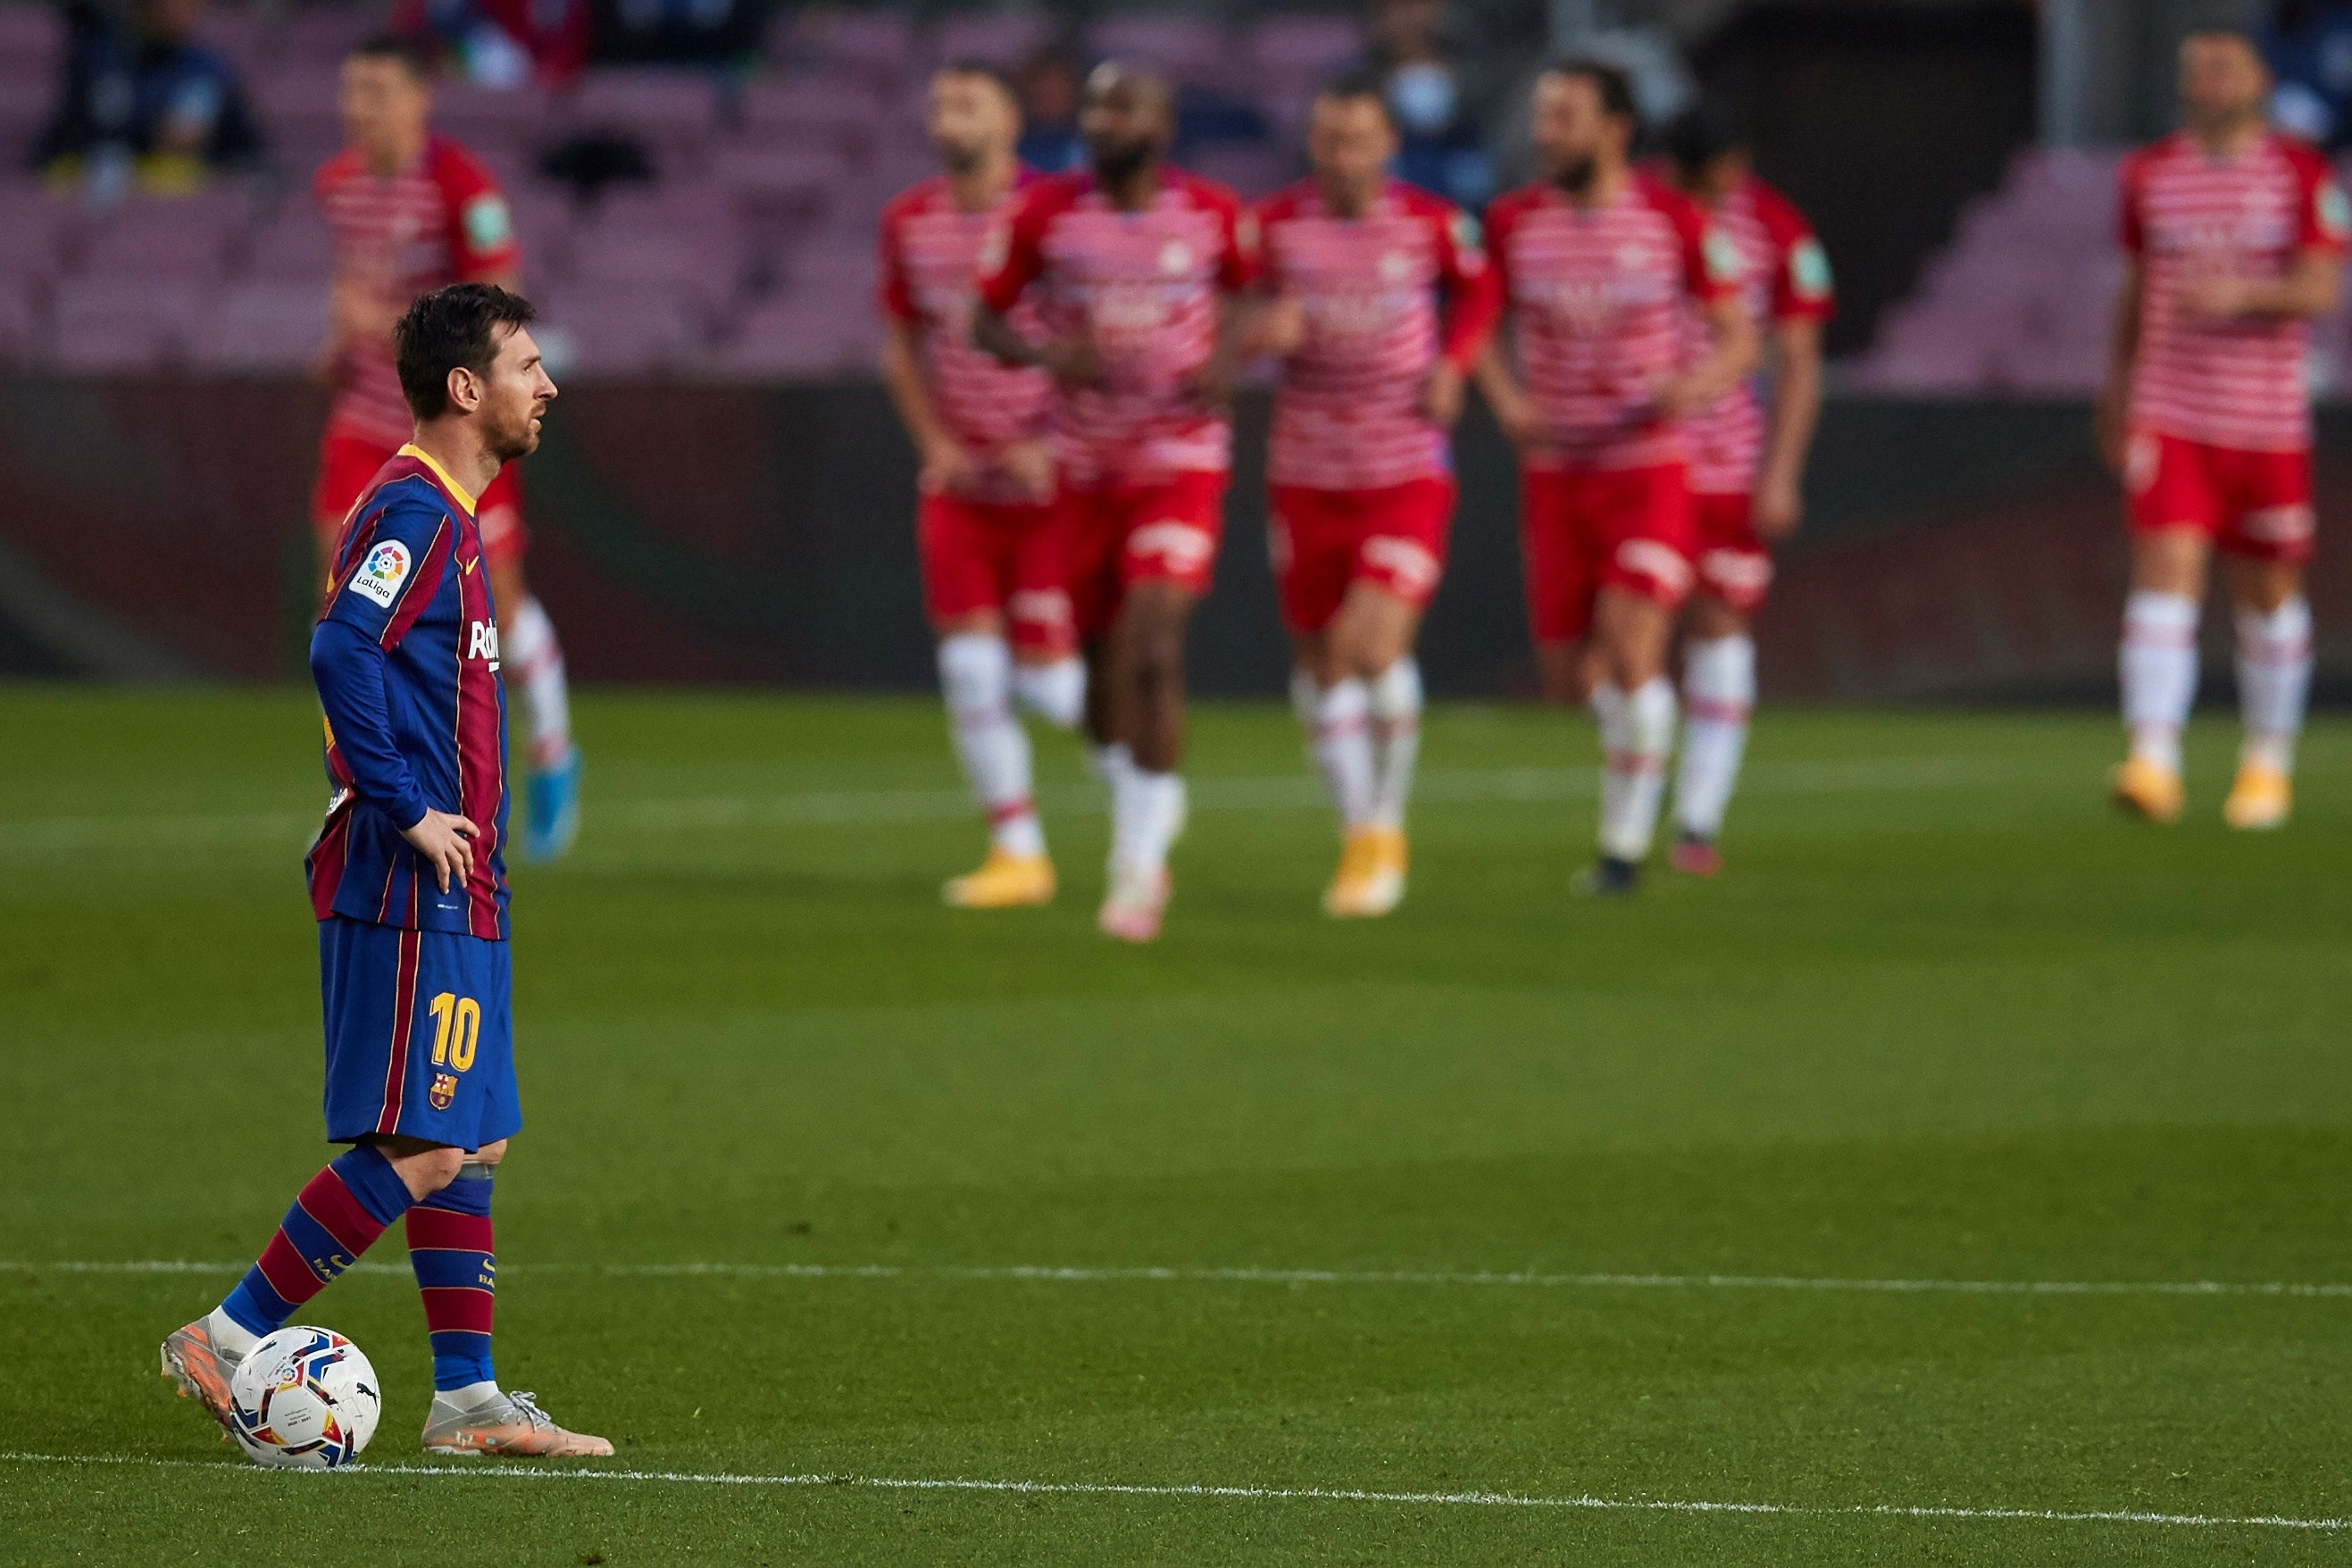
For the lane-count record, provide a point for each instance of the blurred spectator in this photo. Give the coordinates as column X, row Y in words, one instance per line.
column 676, row 31
column 1437, row 98
column 2309, row 47
column 1049, row 81
column 142, row 103
column 501, row 42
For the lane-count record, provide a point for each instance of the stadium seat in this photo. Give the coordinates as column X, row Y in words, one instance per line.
column 270, row 326
column 123, row 324
column 292, row 246
column 34, row 35
column 626, row 330
column 811, row 114
column 165, row 238
column 1002, row 37
column 673, row 112
column 19, row 324
column 1190, row 49
column 1317, row 45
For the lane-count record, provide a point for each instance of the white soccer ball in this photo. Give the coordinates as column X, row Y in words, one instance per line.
column 304, row 1399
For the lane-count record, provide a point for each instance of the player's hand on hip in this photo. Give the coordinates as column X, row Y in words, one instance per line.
column 1030, row 465
column 1281, row 327
column 447, row 842
column 1441, row 394
column 946, row 465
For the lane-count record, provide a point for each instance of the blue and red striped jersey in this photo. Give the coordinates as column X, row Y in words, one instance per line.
column 405, row 656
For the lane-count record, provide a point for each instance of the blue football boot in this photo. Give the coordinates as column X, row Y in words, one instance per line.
column 554, row 809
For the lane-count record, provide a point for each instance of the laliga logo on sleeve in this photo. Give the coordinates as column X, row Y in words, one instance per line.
column 379, row 578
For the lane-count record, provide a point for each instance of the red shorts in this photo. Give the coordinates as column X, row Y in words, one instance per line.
column 1734, row 565
column 987, row 555
column 1582, row 531
column 1124, row 534
column 346, row 464
column 1324, row 540
column 2255, row 504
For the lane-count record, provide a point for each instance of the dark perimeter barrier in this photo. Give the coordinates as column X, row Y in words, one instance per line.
column 154, row 530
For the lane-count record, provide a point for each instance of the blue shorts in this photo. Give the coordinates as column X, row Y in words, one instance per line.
column 420, row 1033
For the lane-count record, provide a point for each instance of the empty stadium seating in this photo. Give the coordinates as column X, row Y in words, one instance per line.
column 750, row 254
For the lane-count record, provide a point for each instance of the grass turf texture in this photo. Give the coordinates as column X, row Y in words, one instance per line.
column 1944, row 1019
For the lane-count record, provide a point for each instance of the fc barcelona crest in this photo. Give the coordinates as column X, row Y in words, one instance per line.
column 444, row 1090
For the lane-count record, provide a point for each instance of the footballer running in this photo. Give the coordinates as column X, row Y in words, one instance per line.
column 1602, row 265
column 2233, row 241
column 1136, row 271
column 1380, row 301
column 408, row 884
column 410, row 210
column 993, row 561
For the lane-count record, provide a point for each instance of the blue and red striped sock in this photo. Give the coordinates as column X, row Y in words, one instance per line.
column 335, row 1217
column 450, row 1249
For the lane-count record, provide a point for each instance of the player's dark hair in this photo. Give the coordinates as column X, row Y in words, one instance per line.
column 410, row 53
column 1359, row 87
column 1611, row 82
column 988, row 71
column 448, row 329
column 1699, row 135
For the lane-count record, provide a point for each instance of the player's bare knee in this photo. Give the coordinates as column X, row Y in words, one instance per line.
column 422, row 1168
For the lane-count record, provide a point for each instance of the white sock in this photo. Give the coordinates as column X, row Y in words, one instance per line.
column 1718, row 694
column 1107, row 762
column 1637, row 733
column 975, row 672
column 230, row 1335
column 472, row 1396
column 1055, row 692
column 1342, row 743
column 2273, row 680
column 1146, row 810
column 1396, row 736
column 527, row 643
column 2158, row 667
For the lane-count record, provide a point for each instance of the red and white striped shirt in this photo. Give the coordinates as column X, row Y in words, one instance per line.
column 441, row 221
column 1348, row 415
column 930, row 250
column 1145, row 287
column 1784, row 277
column 2241, row 382
column 1596, row 296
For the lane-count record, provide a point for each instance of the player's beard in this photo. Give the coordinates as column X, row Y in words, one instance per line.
column 1116, row 165
column 507, row 443
column 1575, row 175
column 959, row 159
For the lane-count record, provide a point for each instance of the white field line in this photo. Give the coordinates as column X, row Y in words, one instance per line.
column 486, row 1471
column 823, row 808
column 1046, row 1274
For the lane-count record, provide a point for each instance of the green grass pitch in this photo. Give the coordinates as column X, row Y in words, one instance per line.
column 1945, row 1020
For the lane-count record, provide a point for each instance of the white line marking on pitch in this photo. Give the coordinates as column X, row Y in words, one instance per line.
column 1084, row 1275
column 836, row 807
column 487, row 1471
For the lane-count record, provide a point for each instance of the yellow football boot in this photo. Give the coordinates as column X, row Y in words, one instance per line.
column 2261, row 799
column 1004, row 881
column 2151, row 790
column 1370, row 879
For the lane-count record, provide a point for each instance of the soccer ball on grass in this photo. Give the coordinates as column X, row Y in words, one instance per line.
column 303, row 1399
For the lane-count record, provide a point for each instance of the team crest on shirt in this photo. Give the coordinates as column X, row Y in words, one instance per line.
column 380, row 575
column 1175, row 258
column 1809, row 270
column 1723, row 263
column 443, row 1092
column 488, row 224
column 1396, row 267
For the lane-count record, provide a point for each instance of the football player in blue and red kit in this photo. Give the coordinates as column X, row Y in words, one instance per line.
column 408, row 881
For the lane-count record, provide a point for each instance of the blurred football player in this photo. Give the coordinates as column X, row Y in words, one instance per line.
column 1601, row 265
column 408, row 885
column 1746, row 466
column 1137, row 268
column 1380, row 302
column 994, row 564
column 2233, row 238
column 411, row 210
